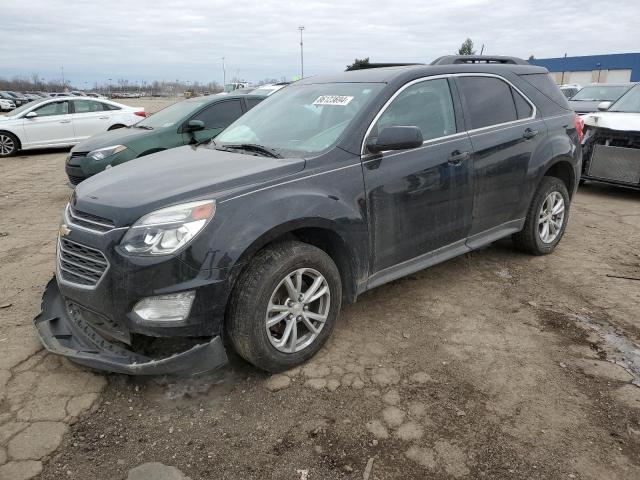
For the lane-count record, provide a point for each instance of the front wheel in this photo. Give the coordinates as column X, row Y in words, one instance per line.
column 8, row 144
column 284, row 306
column 546, row 218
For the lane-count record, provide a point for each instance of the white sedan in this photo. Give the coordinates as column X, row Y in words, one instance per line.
column 62, row 122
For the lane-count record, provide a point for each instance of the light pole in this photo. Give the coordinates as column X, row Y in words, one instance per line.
column 110, row 87
column 301, row 53
column 224, row 74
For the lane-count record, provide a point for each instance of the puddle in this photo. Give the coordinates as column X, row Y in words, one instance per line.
column 629, row 351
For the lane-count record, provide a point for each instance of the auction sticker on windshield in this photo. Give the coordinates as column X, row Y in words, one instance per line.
column 340, row 100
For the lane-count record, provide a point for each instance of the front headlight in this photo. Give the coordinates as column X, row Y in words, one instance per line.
column 101, row 153
column 165, row 231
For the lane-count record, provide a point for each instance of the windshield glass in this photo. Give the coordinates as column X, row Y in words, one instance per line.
column 171, row 115
column 302, row 119
column 600, row 93
column 629, row 102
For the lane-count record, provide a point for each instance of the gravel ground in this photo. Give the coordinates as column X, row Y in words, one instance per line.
column 492, row 365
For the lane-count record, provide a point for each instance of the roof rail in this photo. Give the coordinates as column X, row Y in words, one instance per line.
column 467, row 59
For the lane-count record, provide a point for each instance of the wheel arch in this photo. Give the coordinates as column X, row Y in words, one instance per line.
column 320, row 233
column 562, row 168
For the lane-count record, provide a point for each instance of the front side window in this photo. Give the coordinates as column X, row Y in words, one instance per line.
column 220, row 115
column 303, row 119
column 54, row 108
column 488, row 100
column 427, row 105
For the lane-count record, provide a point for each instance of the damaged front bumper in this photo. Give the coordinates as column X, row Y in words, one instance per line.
column 65, row 333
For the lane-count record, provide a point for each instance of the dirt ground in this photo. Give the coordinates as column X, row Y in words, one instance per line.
column 493, row 365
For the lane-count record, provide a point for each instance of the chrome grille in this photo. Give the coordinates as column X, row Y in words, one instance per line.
column 80, row 264
column 88, row 221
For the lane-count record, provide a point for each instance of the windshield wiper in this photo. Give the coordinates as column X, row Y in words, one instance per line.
column 252, row 147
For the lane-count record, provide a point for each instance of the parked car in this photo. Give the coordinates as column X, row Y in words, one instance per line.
column 611, row 142
column 77, row 93
column 570, row 89
column 190, row 121
column 16, row 98
column 332, row 187
column 589, row 97
column 269, row 89
column 95, row 95
column 32, row 96
column 59, row 94
column 6, row 105
column 61, row 122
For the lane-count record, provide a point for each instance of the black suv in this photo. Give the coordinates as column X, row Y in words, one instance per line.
column 329, row 188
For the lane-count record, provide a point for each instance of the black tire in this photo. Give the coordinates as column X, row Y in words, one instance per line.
column 115, row 127
column 9, row 144
column 246, row 315
column 529, row 238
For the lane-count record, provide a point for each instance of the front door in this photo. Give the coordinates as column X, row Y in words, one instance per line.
column 52, row 126
column 419, row 200
column 504, row 133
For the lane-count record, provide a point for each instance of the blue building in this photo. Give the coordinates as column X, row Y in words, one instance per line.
column 614, row 68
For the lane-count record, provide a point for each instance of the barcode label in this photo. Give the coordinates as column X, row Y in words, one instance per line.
column 340, row 100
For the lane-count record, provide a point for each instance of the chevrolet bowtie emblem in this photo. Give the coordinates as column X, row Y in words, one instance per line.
column 64, row 230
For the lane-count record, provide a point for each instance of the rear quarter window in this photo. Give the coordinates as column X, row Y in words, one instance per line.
column 544, row 83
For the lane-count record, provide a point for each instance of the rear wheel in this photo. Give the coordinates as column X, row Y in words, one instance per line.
column 8, row 144
column 284, row 306
column 546, row 218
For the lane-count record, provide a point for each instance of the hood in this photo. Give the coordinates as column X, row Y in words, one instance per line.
column 626, row 122
column 584, row 107
column 120, row 136
column 126, row 192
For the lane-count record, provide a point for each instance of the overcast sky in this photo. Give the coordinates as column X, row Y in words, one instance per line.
column 160, row 39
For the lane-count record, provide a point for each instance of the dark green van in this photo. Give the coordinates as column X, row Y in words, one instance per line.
column 190, row 121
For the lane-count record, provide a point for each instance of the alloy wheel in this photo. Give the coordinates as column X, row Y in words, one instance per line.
column 551, row 217
column 298, row 310
column 7, row 145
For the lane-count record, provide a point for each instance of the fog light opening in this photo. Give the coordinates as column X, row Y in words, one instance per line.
column 165, row 308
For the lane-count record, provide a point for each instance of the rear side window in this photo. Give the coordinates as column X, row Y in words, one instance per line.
column 488, row 100
column 220, row 115
column 523, row 108
column 107, row 107
column 86, row 106
column 544, row 83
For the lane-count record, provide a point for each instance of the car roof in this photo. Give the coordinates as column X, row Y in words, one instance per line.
column 217, row 97
column 387, row 74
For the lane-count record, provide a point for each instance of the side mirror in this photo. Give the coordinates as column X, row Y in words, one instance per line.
column 604, row 106
column 395, row 138
column 31, row 115
column 195, row 125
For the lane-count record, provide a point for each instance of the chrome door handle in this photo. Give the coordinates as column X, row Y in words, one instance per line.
column 65, row 121
column 457, row 157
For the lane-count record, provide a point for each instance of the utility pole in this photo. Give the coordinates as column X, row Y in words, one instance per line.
column 301, row 53
column 224, row 74
column 110, row 87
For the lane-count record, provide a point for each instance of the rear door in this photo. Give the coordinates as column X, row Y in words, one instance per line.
column 419, row 200
column 52, row 126
column 504, row 131
column 216, row 118
column 89, row 118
